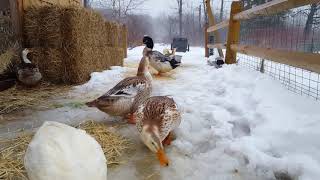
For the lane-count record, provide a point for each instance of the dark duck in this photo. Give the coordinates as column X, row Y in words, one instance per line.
column 27, row 73
column 158, row 61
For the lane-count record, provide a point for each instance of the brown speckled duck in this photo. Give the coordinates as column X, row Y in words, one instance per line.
column 27, row 73
column 124, row 98
column 156, row 118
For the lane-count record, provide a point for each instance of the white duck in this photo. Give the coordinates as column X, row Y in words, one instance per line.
column 58, row 151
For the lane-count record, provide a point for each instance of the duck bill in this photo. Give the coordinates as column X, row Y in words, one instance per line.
column 162, row 158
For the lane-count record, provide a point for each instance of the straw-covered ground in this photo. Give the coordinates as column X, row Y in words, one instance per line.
column 12, row 150
column 20, row 98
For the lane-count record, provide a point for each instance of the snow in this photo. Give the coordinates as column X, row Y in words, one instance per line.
column 236, row 124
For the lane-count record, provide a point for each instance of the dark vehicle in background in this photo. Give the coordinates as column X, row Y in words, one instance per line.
column 181, row 44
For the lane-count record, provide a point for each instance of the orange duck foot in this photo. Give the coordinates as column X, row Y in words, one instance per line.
column 131, row 119
column 167, row 141
column 158, row 75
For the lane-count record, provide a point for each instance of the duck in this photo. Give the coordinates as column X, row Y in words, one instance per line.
column 168, row 52
column 59, row 151
column 159, row 61
column 7, row 84
column 28, row 73
column 217, row 62
column 125, row 97
column 156, row 119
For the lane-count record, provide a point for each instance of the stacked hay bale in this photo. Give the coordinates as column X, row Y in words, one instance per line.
column 71, row 42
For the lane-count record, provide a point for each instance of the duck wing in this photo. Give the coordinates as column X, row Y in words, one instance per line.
column 127, row 88
column 158, row 56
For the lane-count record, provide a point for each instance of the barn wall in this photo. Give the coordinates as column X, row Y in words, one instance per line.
column 4, row 5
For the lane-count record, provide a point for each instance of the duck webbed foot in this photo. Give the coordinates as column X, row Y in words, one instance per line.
column 167, row 141
column 131, row 118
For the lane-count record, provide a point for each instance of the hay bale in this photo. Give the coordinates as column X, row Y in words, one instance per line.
column 77, row 40
column 5, row 61
column 7, row 36
column 80, row 62
column 50, row 63
column 12, row 151
column 43, row 27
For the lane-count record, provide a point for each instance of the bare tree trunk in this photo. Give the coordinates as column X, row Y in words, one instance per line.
column 180, row 18
column 86, row 3
column 221, row 10
column 200, row 25
column 119, row 12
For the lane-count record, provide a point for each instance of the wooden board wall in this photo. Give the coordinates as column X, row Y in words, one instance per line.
column 4, row 5
column 38, row 3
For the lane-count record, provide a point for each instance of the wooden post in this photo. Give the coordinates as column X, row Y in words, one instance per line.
column 206, row 40
column 212, row 23
column 16, row 10
column 125, row 29
column 233, row 33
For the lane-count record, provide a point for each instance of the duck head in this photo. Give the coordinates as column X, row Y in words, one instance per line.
column 24, row 55
column 147, row 40
column 151, row 138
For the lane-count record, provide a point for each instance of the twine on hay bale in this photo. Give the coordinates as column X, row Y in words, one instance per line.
column 12, row 150
column 72, row 42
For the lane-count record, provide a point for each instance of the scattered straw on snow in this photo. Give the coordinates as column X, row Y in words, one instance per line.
column 113, row 145
column 12, row 150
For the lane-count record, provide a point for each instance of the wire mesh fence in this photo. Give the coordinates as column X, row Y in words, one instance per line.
column 294, row 30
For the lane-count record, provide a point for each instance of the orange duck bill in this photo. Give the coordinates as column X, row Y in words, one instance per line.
column 162, row 158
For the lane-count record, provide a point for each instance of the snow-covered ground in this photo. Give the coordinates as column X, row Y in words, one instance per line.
column 237, row 124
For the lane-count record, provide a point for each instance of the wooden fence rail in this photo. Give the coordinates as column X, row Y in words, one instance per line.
column 308, row 61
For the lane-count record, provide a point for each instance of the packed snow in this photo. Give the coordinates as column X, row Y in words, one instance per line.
column 236, row 124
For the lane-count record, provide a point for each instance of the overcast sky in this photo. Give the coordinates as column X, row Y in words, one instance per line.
column 158, row 7
column 163, row 7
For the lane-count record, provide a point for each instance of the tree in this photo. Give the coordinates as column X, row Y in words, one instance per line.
column 86, row 3
column 120, row 8
column 313, row 18
column 180, row 3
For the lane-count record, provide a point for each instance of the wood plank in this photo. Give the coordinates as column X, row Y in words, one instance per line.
column 16, row 10
column 218, row 26
column 218, row 45
column 4, row 5
column 206, row 41
column 272, row 7
column 308, row 61
column 233, row 33
column 212, row 23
